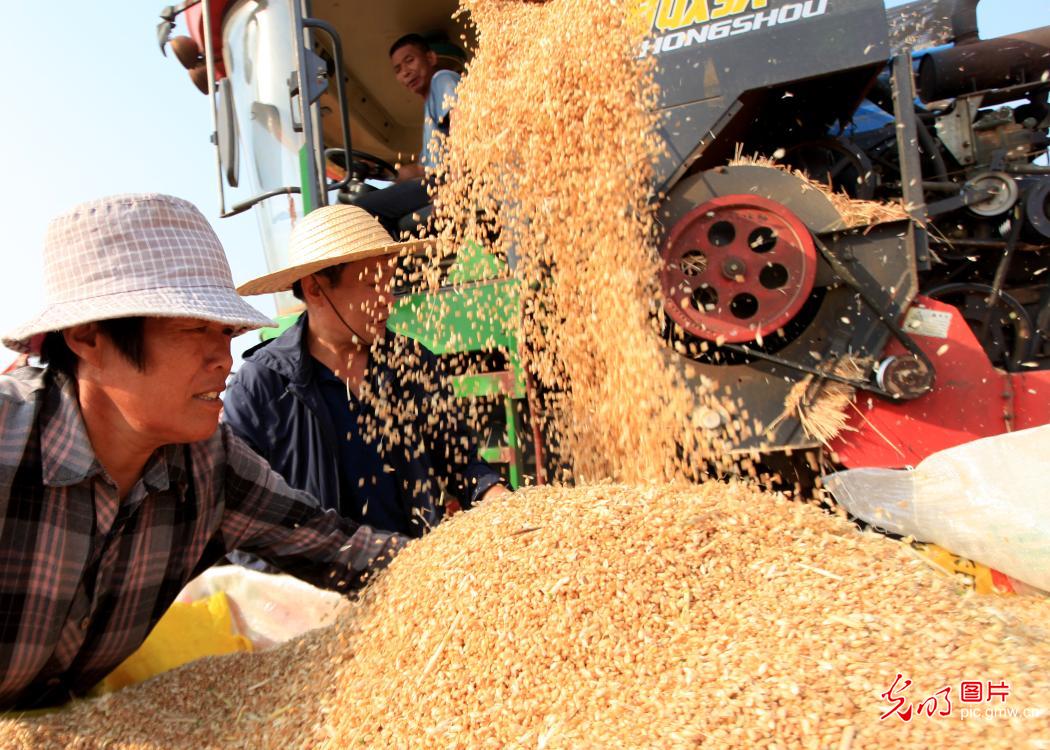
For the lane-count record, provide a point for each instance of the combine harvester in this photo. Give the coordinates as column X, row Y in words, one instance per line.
column 934, row 318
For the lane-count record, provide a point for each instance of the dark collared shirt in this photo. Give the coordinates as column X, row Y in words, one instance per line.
column 275, row 403
column 368, row 491
column 84, row 576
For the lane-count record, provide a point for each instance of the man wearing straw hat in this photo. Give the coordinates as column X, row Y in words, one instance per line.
column 116, row 487
column 354, row 415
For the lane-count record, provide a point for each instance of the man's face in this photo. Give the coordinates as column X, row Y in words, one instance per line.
column 362, row 297
column 175, row 399
column 414, row 67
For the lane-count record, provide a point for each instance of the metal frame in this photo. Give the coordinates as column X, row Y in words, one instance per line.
column 313, row 192
column 344, row 105
column 315, row 195
column 209, row 62
column 903, row 85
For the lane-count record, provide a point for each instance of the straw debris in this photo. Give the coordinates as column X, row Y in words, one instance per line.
column 855, row 213
column 821, row 405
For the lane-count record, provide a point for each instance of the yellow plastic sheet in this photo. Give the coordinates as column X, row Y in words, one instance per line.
column 186, row 632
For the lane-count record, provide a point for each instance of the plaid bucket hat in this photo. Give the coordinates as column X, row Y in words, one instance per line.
column 130, row 255
column 329, row 236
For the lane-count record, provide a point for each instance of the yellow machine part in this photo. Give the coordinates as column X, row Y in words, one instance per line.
column 980, row 577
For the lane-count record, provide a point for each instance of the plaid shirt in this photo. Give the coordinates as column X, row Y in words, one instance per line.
column 84, row 576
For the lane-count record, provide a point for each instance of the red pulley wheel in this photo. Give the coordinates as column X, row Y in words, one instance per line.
column 737, row 268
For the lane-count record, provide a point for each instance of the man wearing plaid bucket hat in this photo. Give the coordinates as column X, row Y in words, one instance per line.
column 117, row 485
column 355, row 415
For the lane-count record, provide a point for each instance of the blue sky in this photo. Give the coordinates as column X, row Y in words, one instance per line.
column 93, row 109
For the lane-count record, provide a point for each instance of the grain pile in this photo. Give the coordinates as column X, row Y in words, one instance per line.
column 611, row 616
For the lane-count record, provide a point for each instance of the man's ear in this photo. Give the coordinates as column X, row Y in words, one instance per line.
column 85, row 341
column 311, row 286
column 432, row 58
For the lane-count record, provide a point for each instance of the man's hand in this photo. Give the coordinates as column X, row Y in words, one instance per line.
column 493, row 492
column 452, row 506
column 410, row 172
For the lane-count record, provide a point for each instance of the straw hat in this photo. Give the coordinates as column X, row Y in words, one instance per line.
column 130, row 255
column 329, row 236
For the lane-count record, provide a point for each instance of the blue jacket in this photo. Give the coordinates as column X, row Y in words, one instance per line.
column 275, row 404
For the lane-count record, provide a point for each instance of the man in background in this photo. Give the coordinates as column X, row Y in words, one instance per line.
column 415, row 66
